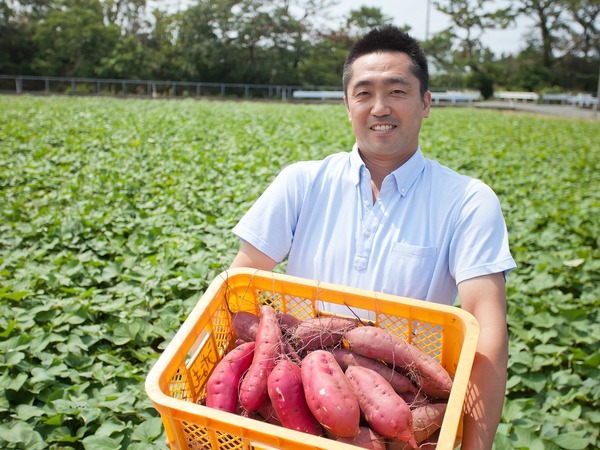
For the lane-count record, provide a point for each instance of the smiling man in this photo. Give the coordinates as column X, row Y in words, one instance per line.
column 385, row 218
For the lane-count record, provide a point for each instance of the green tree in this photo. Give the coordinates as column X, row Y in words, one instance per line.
column 585, row 15
column 164, row 52
column 73, row 39
column 440, row 51
column 361, row 20
column 548, row 15
column 132, row 55
column 202, row 38
column 471, row 19
column 18, row 21
column 129, row 15
column 324, row 60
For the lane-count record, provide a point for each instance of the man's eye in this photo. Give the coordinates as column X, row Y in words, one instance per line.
column 398, row 92
column 362, row 93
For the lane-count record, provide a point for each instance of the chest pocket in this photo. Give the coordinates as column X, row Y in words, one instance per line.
column 409, row 270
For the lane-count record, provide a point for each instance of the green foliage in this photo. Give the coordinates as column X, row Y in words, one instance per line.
column 115, row 216
column 72, row 40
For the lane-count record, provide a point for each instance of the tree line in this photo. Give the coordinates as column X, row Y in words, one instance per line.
column 291, row 42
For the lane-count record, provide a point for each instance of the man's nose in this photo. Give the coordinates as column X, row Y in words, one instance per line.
column 380, row 106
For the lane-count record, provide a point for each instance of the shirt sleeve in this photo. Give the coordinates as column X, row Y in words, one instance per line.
column 480, row 243
column 270, row 223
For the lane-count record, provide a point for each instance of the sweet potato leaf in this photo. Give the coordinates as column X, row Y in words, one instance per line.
column 116, row 214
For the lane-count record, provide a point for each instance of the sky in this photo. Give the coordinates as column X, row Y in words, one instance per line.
column 414, row 13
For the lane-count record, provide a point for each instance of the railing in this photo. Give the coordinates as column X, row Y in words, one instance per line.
column 580, row 100
column 17, row 84
column 517, row 96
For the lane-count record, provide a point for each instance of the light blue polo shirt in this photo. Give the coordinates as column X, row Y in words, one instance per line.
column 429, row 229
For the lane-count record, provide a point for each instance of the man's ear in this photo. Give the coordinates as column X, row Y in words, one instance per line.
column 347, row 108
column 426, row 104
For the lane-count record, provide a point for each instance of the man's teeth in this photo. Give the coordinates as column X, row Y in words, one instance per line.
column 383, row 127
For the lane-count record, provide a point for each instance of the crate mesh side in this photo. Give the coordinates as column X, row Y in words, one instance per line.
column 179, row 387
column 269, row 298
column 299, row 307
column 429, row 338
column 196, row 436
column 217, row 344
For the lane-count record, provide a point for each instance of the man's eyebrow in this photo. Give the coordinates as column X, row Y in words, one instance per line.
column 388, row 81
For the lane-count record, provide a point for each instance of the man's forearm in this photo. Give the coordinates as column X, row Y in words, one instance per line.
column 484, row 401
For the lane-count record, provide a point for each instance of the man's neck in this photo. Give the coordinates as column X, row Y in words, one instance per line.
column 381, row 167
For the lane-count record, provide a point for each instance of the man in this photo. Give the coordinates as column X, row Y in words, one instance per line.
column 382, row 217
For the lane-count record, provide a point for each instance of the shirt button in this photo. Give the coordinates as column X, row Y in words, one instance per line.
column 367, row 233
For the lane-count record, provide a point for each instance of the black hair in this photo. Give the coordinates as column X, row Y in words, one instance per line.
column 389, row 38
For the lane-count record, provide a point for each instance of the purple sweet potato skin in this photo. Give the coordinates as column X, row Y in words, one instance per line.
column 253, row 388
column 222, row 385
column 287, row 397
column 423, row 370
column 329, row 394
column 244, row 325
column 320, row 332
column 287, row 321
column 367, row 438
column 399, row 382
column 383, row 409
column 427, row 420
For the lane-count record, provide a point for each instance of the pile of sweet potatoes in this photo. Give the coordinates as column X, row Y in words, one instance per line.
column 332, row 377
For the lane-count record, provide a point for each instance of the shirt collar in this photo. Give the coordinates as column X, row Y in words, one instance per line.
column 356, row 165
column 405, row 175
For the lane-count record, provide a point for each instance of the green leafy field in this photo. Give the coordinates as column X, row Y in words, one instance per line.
column 116, row 214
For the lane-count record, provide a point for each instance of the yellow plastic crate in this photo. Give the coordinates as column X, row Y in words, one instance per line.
column 177, row 382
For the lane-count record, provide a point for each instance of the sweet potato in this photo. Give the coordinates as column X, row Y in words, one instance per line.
column 427, row 420
column 383, row 409
column 329, row 394
column 320, row 332
column 244, row 325
column 414, row 399
column 287, row 321
column 422, row 369
column 253, row 388
column 367, row 438
column 287, row 397
column 222, row 385
column 399, row 382
column 268, row 414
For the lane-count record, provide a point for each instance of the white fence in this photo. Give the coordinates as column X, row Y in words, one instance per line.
column 517, row 96
column 580, row 100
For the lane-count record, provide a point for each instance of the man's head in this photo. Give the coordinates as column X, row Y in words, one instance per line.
column 389, row 39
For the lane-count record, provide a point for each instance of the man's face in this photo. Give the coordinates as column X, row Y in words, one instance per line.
column 385, row 105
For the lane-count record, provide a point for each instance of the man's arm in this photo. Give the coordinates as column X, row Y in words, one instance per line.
column 485, row 298
column 250, row 256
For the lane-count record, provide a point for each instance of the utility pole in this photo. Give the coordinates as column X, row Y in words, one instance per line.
column 598, row 93
column 428, row 20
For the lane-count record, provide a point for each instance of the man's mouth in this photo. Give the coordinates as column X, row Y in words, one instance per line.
column 382, row 127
